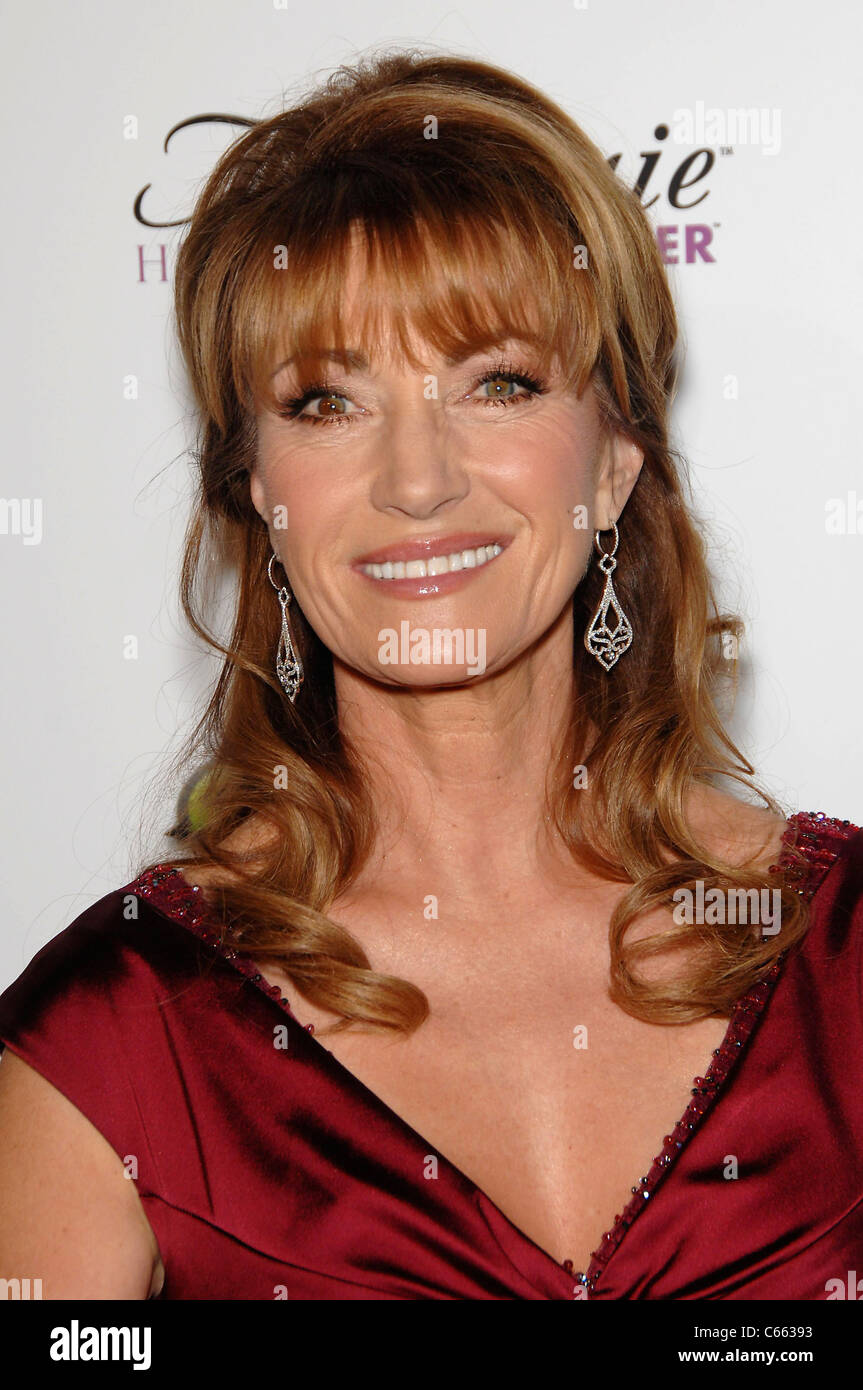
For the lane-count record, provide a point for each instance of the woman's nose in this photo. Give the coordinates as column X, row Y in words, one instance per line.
column 419, row 469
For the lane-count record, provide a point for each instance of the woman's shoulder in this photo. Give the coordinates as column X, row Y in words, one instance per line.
column 117, row 954
column 100, row 1012
column 804, row 843
column 814, row 844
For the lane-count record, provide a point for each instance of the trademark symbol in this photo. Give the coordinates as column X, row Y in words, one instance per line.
column 726, row 149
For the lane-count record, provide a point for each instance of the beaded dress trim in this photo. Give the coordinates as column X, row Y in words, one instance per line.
column 811, row 842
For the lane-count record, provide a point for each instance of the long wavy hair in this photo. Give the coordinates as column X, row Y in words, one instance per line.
column 487, row 213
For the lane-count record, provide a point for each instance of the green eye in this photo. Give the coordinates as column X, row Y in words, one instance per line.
column 511, row 376
column 499, row 395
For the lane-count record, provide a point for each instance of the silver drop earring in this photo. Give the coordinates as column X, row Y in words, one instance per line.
column 605, row 643
column 289, row 667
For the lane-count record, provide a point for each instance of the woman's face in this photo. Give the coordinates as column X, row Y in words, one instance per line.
column 436, row 462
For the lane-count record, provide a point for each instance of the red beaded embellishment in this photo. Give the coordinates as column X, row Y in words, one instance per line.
column 806, row 853
column 164, row 886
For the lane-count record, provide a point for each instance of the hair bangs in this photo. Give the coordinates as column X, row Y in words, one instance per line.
column 461, row 280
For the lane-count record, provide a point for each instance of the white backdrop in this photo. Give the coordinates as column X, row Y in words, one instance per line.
column 95, row 484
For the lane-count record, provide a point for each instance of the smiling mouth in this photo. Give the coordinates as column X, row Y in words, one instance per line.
column 451, row 563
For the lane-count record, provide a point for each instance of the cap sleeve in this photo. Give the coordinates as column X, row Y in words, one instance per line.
column 77, row 1015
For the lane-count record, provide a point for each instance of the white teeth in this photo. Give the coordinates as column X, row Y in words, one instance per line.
column 436, row 564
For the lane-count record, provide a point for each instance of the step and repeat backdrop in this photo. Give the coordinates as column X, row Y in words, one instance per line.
column 739, row 125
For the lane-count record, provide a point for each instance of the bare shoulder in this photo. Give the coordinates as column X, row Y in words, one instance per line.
column 740, row 832
column 69, row 1215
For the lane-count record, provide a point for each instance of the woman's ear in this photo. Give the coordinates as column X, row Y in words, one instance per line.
column 619, row 467
column 256, row 491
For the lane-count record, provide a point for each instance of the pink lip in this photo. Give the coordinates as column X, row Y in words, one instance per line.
column 432, row 545
column 433, row 585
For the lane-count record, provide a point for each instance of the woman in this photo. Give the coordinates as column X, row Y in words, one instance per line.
column 412, row 1011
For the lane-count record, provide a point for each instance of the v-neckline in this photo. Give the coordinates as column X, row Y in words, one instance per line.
column 164, row 886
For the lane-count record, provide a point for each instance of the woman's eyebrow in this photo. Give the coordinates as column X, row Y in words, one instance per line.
column 349, row 358
column 496, row 346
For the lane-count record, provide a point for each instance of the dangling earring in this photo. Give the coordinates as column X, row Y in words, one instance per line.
column 605, row 643
column 289, row 667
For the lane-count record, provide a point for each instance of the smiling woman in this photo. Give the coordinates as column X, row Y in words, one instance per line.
column 454, row 778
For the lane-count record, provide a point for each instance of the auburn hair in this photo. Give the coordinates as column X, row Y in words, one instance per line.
column 485, row 213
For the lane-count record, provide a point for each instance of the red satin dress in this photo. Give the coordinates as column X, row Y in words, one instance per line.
column 267, row 1170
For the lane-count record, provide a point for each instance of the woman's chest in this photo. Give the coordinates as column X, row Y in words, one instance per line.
column 552, row 1101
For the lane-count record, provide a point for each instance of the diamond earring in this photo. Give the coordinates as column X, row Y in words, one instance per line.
column 606, row 643
column 289, row 667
